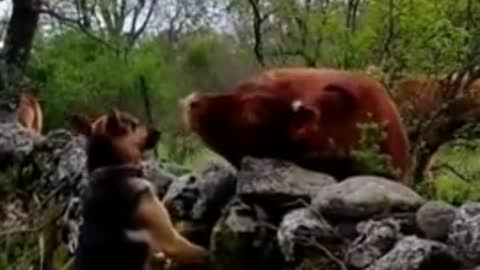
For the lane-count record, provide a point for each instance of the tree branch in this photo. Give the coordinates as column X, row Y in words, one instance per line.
column 257, row 31
column 78, row 24
column 137, row 33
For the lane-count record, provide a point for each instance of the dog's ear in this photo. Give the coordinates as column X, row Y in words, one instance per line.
column 81, row 124
column 115, row 124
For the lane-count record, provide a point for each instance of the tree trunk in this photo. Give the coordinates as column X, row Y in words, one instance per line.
column 16, row 52
column 20, row 33
column 148, row 108
column 257, row 32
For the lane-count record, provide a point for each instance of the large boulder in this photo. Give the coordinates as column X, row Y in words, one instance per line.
column 278, row 184
column 304, row 229
column 412, row 253
column 464, row 235
column 362, row 197
column 198, row 196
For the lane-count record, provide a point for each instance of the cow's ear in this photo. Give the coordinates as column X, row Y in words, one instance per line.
column 336, row 100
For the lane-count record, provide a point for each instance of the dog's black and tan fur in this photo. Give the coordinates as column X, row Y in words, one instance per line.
column 124, row 221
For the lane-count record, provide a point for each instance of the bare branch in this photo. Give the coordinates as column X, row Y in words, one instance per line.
column 77, row 24
column 137, row 33
column 451, row 169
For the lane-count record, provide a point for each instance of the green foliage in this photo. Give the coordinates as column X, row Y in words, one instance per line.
column 77, row 74
column 213, row 62
column 457, row 173
column 18, row 251
column 368, row 155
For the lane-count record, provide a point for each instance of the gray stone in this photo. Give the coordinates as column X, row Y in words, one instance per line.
column 412, row 253
column 362, row 197
column 201, row 197
column 244, row 238
column 16, row 143
column 435, row 218
column 61, row 161
column 278, row 180
column 181, row 196
column 160, row 177
column 303, row 228
column 464, row 235
column 375, row 239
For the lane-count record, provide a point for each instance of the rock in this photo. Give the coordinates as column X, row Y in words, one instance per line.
column 72, row 220
column 12, row 215
column 243, row 238
column 347, row 230
column 16, row 143
column 61, row 161
column 160, row 178
column 200, row 197
column 435, row 218
column 217, row 186
column 277, row 183
column 195, row 201
column 181, row 196
column 362, row 197
column 375, row 240
column 303, row 228
column 412, row 253
column 464, row 235
column 320, row 262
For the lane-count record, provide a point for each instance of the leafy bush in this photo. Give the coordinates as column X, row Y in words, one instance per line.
column 457, row 172
column 368, row 156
